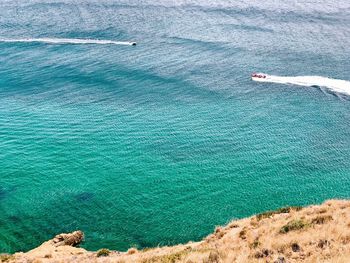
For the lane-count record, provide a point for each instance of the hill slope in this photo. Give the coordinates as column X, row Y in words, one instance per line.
column 319, row 233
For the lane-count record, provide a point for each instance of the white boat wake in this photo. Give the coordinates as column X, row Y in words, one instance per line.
column 334, row 85
column 67, row 41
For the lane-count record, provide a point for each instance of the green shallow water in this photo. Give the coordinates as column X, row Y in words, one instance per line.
column 158, row 143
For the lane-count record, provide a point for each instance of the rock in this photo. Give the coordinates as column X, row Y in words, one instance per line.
column 70, row 239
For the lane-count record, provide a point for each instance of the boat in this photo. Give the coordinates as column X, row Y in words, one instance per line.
column 258, row 76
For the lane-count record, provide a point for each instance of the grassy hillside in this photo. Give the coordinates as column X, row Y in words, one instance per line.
column 319, row 233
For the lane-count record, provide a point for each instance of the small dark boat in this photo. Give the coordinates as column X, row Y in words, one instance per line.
column 258, row 76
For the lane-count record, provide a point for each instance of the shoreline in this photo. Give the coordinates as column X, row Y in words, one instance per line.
column 316, row 233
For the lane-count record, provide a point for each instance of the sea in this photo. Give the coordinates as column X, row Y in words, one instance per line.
column 157, row 143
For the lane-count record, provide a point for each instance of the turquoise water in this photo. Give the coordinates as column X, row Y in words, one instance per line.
column 158, row 143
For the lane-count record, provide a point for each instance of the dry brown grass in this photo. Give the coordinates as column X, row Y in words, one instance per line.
column 311, row 234
column 5, row 257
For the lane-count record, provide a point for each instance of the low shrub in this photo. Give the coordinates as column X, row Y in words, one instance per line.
column 280, row 259
column 132, row 251
column 5, row 257
column 213, row 257
column 295, row 247
column 233, row 225
column 282, row 210
column 263, row 253
column 323, row 243
column 293, row 225
column 265, row 215
column 319, row 220
column 242, row 233
column 103, row 252
column 170, row 258
column 322, row 211
column 255, row 244
column 219, row 232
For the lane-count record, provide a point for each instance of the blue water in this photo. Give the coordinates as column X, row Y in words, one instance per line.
column 158, row 143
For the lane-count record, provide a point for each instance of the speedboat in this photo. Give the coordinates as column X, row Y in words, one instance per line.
column 258, row 76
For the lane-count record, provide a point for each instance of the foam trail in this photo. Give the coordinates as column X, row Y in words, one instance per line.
column 67, row 41
column 335, row 85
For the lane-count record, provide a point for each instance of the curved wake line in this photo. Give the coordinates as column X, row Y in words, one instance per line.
column 335, row 85
column 67, row 41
